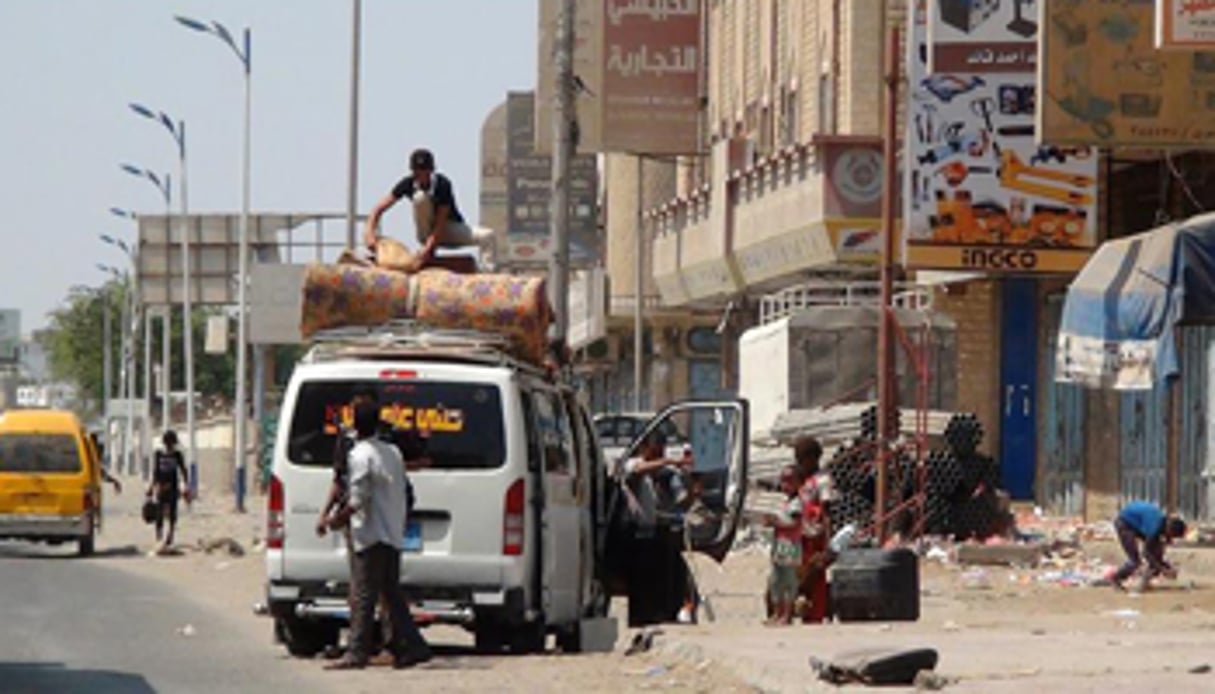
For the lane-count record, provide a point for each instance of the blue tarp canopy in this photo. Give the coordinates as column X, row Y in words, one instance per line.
column 1118, row 319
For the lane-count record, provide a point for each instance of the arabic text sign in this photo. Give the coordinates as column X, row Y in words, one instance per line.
column 1185, row 24
column 984, row 36
column 1104, row 82
column 651, row 76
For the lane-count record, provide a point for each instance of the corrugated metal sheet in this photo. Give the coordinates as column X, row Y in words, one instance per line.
column 1144, row 424
column 1061, row 442
column 1197, row 347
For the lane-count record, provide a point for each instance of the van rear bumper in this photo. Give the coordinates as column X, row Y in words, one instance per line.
column 459, row 608
column 34, row 527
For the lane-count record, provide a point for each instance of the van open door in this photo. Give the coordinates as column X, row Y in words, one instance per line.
column 703, row 501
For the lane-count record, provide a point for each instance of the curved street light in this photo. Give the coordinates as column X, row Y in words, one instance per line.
column 245, row 56
column 178, row 131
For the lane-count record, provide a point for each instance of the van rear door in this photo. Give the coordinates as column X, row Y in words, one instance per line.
column 42, row 473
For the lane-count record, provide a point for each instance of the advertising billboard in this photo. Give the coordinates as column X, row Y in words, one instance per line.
column 979, row 193
column 1106, row 84
column 529, row 190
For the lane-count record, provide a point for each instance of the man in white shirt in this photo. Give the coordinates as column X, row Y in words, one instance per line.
column 376, row 511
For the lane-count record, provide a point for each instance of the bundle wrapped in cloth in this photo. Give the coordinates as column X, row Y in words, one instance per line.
column 353, row 293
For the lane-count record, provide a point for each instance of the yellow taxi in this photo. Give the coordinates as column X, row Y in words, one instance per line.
column 50, row 475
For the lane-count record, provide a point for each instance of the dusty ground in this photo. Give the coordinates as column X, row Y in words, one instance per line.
column 997, row 629
column 232, row 585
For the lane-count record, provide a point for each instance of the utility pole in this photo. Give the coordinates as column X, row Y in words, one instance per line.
column 639, row 289
column 563, row 144
column 352, row 180
column 108, row 365
column 888, row 397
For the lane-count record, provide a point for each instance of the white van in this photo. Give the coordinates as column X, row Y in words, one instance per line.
column 509, row 534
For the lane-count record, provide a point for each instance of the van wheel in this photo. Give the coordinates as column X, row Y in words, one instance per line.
column 84, row 546
column 488, row 639
column 527, row 638
column 305, row 639
column 569, row 639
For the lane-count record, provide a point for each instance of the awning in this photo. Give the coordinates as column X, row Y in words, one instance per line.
column 1120, row 312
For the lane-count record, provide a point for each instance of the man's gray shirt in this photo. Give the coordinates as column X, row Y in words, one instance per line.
column 377, row 493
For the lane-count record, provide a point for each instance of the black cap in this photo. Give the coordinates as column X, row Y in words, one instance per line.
column 422, row 160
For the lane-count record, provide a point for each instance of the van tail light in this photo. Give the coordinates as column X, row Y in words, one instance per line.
column 274, row 515
column 512, row 520
column 88, row 500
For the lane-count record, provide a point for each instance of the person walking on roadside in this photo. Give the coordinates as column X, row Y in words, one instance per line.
column 168, row 486
column 435, row 213
column 376, row 511
column 1143, row 522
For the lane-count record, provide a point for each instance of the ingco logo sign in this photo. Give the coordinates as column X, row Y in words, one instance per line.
column 999, row 258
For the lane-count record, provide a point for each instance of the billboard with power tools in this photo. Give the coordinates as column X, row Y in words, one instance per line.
column 980, row 193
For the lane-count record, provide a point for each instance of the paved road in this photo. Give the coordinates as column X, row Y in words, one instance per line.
column 72, row 625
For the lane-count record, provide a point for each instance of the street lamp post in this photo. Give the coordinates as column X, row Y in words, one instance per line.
column 240, row 415
column 123, row 364
column 133, row 329
column 178, row 131
column 165, row 187
column 107, row 362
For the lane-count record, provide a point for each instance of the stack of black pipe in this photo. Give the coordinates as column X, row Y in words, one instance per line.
column 959, row 486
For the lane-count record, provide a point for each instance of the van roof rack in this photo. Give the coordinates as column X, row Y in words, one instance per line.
column 409, row 338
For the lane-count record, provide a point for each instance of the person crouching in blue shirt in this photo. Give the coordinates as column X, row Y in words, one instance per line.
column 1142, row 522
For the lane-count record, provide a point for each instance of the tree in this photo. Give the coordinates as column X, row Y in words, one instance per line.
column 72, row 341
column 75, row 346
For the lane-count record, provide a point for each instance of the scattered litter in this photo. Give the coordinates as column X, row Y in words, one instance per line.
column 226, row 544
column 927, row 680
column 976, row 579
column 1038, row 632
column 1200, row 670
column 187, row 631
column 657, row 671
column 261, row 609
column 937, row 554
column 951, row 626
column 222, row 566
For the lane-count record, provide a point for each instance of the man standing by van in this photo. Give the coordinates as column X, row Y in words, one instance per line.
column 376, row 511
column 657, row 564
column 435, row 213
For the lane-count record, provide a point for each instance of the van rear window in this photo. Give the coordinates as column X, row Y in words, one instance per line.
column 458, row 426
column 39, row 453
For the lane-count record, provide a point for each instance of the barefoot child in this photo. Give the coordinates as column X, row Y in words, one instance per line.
column 786, row 548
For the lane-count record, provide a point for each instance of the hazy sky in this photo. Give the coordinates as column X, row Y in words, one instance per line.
column 431, row 71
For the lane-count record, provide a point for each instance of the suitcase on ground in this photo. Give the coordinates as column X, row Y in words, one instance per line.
column 876, row 585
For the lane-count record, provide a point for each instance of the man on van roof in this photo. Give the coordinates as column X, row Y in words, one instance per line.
column 435, row 213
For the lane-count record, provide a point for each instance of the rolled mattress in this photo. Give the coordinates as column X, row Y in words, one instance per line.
column 347, row 295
